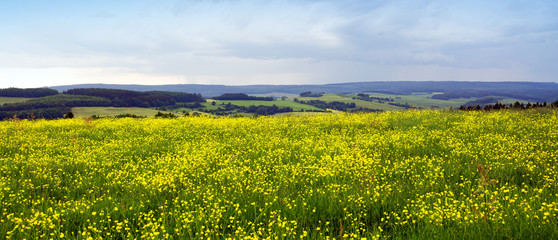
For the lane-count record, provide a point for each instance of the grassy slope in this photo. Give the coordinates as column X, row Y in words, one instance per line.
column 511, row 101
column 425, row 100
column 276, row 94
column 12, row 100
column 349, row 99
column 113, row 111
column 279, row 103
column 421, row 100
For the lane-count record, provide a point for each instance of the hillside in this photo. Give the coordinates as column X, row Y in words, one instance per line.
column 528, row 91
column 51, row 104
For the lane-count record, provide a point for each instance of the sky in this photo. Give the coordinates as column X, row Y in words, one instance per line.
column 152, row 42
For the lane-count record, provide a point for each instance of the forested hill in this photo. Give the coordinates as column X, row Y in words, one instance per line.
column 27, row 92
column 530, row 91
column 42, row 103
column 128, row 97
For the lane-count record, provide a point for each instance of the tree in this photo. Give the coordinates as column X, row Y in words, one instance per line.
column 310, row 94
column 27, row 92
column 164, row 115
column 241, row 96
column 69, row 115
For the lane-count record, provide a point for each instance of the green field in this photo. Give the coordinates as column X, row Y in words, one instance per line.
column 12, row 100
column 349, row 99
column 246, row 103
column 113, row 111
column 394, row 175
column 422, row 100
column 512, row 101
column 276, row 94
column 297, row 107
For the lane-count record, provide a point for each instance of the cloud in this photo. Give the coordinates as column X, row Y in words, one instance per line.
column 244, row 41
column 428, row 57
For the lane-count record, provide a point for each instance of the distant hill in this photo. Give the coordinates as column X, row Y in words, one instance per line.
column 529, row 91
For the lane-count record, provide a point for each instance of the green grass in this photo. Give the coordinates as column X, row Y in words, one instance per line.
column 246, row 103
column 512, row 101
column 423, row 100
column 113, row 111
column 12, row 100
column 349, row 99
column 276, row 94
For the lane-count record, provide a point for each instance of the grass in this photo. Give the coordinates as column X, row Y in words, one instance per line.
column 12, row 100
column 512, row 101
column 392, row 175
column 246, row 103
column 349, row 99
column 300, row 114
column 276, row 94
column 423, row 100
column 113, row 111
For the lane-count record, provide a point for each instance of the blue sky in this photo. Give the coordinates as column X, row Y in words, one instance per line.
column 48, row 43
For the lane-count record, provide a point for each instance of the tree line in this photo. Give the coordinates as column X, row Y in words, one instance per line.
column 266, row 110
column 367, row 97
column 50, row 107
column 56, row 106
column 229, row 108
column 43, row 113
column 310, row 94
column 57, row 101
column 127, row 98
column 403, row 105
column 500, row 106
column 339, row 106
column 242, row 96
column 535, row 96
column 27, row 92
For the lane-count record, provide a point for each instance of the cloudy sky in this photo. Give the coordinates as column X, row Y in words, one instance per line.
column 58, row 42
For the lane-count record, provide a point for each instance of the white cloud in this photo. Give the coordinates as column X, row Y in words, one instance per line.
column 435, row 72
column 428, row 57
column 238, row 42
column 41, row 77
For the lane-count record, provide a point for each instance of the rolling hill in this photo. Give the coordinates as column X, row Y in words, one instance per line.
column 528, row 91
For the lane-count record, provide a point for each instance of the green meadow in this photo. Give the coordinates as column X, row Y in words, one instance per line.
column 394, row 175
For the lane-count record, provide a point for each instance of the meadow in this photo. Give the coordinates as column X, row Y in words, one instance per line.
column 349, row 99
column 393, row 175
column 423, row 100
column 12, row 100
column 113, row 111
column 246, row 103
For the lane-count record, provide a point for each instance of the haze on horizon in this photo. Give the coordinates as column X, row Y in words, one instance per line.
column 49, row 43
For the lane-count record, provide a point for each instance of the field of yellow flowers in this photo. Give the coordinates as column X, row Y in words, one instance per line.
column 395, row 175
